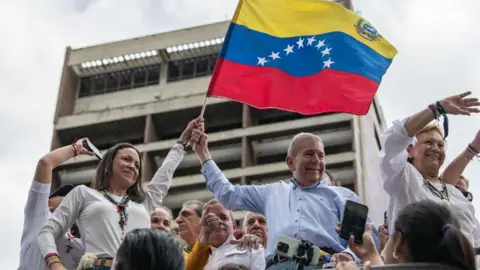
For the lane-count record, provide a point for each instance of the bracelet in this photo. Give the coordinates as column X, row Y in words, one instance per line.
column 75, row 148
column 54, row 260
column 473, row 149
column 49, row 255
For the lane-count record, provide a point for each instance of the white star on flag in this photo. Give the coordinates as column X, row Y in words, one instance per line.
column 261, row 61
column 289, row 49
column 274, row 55
column 320, row 44
column 310, row 41
column 326, row 51
column 300, row 42
column 328, row 63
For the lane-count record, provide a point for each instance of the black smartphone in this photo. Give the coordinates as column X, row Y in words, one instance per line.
column 91, row 147
column 354, row 221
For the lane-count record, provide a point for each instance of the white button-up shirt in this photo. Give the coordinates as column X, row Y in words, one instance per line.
column 405, row 185
column 36, row 215
column 229, row 253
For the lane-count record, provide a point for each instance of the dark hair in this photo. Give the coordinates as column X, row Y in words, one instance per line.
column 150, row 249
column 136, row 192
column 234, row 266
column 432, row 236
column 198, row 206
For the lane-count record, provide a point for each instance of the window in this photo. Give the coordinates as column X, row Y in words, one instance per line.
column 191, row 68
column 119, row 80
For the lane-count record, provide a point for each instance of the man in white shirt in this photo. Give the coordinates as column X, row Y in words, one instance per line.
column 39, row 207
column 217, row 228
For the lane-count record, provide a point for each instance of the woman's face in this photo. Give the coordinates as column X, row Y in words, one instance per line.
column 125, row 167
column 161, row 220
column 429, row 152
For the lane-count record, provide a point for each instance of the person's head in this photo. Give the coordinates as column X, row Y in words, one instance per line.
column 121, row 167
column 306, row 159
column 188, row 221
column 161, row 219
column 149, row 249
column 463, row 183
column 428, row 153
column 427, row 232
column 234, row 266
column 256, row 224
column 57, row 196
column 227, row 222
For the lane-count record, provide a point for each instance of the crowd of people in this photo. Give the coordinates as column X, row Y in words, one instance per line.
column 120, row 223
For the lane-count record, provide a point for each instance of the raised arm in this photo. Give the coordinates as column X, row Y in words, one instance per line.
column 36, row 210
column 43, row 172
column 234, row 197
column 395, row 141
column 157, row 189
column 454, row 170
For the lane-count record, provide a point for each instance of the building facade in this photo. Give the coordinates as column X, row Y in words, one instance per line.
column 145, row 90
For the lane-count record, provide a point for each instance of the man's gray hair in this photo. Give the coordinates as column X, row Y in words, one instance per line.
column 292, row 148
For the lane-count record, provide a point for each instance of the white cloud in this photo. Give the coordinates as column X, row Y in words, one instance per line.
column 438, row 43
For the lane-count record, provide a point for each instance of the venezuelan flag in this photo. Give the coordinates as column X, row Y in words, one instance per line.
column 306, row 56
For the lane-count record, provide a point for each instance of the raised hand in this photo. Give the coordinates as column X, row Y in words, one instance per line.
column 460, row 104
column 201, row 146
column 186, row 136
column 81, row 150
column 208, row 223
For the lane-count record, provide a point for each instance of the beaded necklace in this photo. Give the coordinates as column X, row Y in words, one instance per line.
column 121, row 210
column 442, row 194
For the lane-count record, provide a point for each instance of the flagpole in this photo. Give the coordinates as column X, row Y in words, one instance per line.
column 202, row 112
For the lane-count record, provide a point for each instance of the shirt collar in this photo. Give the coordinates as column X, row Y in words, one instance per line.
column 321, row 183
column 227, row 242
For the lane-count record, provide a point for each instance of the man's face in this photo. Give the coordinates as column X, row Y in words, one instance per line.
column 256, row 224
column 54, row 202
column 161, row 219
column 308, row 163
column 220, row 234
column 188, row 222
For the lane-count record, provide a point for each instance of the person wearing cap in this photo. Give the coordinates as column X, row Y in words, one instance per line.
column 40, row 206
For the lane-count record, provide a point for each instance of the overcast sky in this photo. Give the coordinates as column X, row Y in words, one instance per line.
column 439, row 55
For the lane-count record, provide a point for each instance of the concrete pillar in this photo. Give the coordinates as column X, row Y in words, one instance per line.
column 247, row 150
column 150, row 135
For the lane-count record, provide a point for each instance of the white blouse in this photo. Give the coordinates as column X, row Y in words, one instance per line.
column 405, row 185
column 97, row 218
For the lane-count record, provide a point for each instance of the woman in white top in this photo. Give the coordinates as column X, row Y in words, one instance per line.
column 413, row 152
column 115, row 204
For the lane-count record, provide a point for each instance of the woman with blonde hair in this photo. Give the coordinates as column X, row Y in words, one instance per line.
column 115, row 204
column 413, row 150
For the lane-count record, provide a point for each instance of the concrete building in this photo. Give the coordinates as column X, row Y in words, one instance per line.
column 145, row 90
